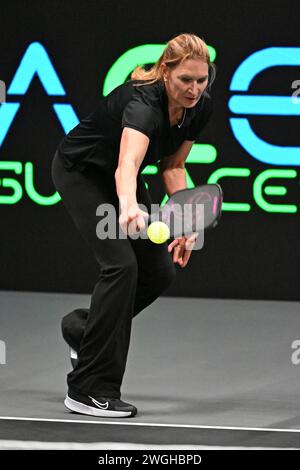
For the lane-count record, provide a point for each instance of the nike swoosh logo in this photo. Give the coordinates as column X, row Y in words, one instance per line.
column 103, row 406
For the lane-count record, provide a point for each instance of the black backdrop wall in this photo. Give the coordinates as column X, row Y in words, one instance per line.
column 253, row 253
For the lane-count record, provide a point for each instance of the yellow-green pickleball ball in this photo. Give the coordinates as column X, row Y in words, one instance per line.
column 158, row 232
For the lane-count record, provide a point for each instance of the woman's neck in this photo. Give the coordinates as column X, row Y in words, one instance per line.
column 176, row 114
column 175, row 110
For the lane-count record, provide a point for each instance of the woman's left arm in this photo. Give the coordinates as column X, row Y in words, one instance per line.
column 172, row 170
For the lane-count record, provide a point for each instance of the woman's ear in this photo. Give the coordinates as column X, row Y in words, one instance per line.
column 164, row 70
column 211, row 75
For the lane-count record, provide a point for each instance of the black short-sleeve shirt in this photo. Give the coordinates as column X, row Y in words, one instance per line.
column 96, row 139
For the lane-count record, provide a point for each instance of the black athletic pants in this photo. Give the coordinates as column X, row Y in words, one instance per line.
column 132, row 274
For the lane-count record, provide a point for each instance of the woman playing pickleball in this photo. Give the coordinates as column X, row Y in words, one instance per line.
column 153, row 118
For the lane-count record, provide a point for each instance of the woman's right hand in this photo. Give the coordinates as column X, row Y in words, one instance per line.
column 132, row 220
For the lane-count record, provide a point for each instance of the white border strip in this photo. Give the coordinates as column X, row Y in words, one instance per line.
column 37, row 445
column 161, row 425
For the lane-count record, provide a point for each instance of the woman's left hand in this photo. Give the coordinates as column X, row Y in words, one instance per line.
column 182, row 248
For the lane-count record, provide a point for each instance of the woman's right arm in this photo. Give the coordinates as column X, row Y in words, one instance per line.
column 133, row 147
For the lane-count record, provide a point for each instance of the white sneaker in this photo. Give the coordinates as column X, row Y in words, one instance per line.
column 106, row 407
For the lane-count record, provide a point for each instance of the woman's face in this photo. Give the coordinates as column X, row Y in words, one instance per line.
column 186, row 82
